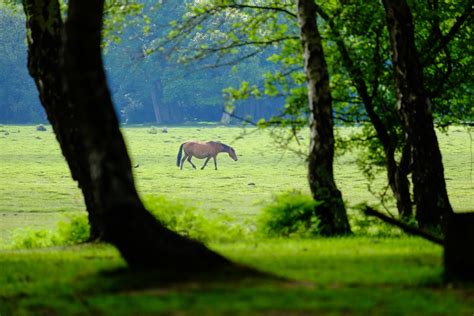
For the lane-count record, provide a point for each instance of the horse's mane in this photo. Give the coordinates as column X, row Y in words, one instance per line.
column 226, row 147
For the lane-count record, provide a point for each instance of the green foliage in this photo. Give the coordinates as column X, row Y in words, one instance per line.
column 290, row 214
column 118, row 15
column 191, row 222
column 27, row 238
column 363, row 225
column 74, row 231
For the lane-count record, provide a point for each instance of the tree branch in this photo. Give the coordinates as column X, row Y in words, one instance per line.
column 443, row 41
column 269, row 8
column 239, row 118
column 403, row 226
column 248, row 43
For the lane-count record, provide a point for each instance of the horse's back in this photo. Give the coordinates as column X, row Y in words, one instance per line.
column 200, row 149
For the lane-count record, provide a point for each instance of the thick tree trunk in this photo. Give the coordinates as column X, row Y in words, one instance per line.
column 429, row 187
column 89, row 136
column 44, row 42
column 458, row 253
column 331, row 212
column 140, row 238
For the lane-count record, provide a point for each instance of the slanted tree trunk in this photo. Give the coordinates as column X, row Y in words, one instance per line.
column 44, row 42
column 94, row 131
column 331, row 212
column 429, row 187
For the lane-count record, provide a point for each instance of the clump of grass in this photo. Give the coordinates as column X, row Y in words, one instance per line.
column 74, row 231
column 191, row 222
column 291, row 214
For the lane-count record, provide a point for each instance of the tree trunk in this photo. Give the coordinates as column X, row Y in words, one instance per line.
column 331, row 212
column 156, row 97
column 87, row 124
column 458, row 253
column 226, row 117
column 429, row 187
column 44, row 43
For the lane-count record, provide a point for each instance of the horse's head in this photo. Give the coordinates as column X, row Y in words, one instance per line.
column 232, row 153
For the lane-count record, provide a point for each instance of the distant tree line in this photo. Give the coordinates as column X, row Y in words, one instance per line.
column 146, row 88
column 19, row 101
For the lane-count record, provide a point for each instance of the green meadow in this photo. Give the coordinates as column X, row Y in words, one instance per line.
column 395, row 275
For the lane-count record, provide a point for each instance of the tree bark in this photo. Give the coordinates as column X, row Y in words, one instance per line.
column 429, row 187
column 44, row 26
column 140, row 238
column 331, row 212
column 458, row 254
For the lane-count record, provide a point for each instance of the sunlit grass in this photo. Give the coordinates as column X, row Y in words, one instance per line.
column 35, row 180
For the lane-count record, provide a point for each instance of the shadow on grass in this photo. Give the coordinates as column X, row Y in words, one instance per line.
column 122, row 280
column 93, row 280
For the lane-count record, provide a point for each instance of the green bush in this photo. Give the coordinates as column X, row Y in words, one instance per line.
column 32, row 238
column 74, row 231
column 290, row 214
column 363, row 225
column 191, row 222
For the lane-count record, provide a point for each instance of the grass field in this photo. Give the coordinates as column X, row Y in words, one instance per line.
column 356, row 275
column 36, row 188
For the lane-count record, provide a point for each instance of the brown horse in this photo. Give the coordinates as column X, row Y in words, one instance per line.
column 203, row 150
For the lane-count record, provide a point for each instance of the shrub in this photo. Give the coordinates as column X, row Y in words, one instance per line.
column 191, row 222
column 74, row 231
column 290, row 214
column 32, row 238
column 363, row 225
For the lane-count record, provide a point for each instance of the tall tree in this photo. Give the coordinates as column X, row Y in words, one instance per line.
column 331, row 212
column 44, row 25
column 414, row 105
column 84, row 120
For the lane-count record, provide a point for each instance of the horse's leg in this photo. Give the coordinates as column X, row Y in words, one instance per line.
column 183, row 160
column 205, row 163
column 189, row 160
column 215, row 161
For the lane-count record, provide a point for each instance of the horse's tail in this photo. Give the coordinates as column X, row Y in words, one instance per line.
column 180, row 152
